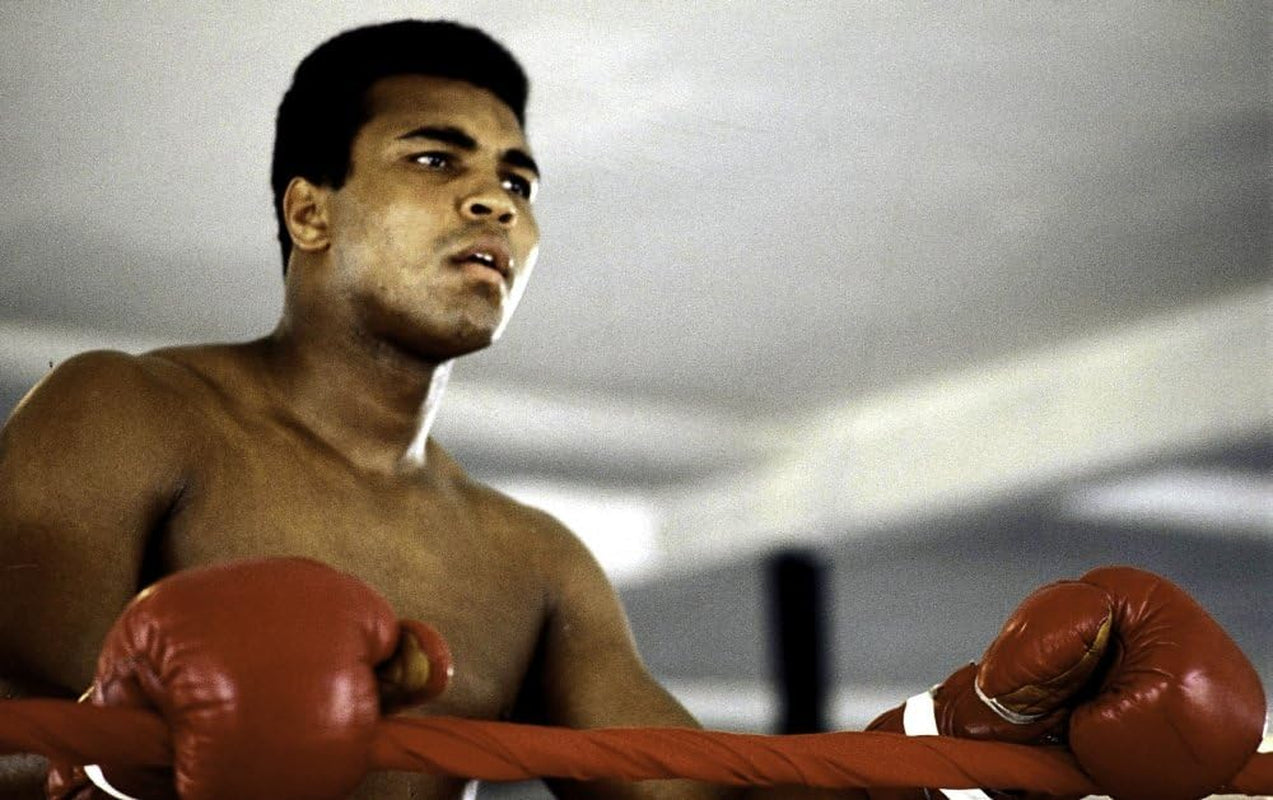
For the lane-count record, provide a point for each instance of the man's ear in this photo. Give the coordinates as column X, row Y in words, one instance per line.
column 305, row 209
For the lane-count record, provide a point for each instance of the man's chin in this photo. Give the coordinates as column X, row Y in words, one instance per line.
column 439, row 340
column 444, row 346
column 469, row 334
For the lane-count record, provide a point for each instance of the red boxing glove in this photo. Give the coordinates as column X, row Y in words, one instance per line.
column 271, row 674
column 1147, row 690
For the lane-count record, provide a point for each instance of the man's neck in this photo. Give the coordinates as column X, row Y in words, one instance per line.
column 372, row 403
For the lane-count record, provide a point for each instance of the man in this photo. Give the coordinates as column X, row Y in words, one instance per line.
column 403, row 186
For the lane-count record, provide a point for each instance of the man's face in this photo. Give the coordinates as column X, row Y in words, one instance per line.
column 432, row 234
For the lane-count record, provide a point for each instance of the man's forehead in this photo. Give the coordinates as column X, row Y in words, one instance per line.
column 401, row 103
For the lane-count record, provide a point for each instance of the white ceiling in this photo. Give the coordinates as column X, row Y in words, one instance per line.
column 758, row 220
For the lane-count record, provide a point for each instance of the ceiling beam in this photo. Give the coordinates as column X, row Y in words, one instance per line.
column 1184, row 380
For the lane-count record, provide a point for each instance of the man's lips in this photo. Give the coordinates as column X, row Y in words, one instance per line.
column 491, row 252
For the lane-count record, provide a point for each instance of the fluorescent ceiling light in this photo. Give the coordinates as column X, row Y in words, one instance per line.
column 1214, row 501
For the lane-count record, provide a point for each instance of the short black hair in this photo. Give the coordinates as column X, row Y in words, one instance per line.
column 327, row 102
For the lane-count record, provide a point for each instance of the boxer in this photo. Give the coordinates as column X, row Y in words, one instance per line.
column 403, row 186
column 403, row 183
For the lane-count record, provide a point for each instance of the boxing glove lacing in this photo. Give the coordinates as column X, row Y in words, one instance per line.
column 1005, row 713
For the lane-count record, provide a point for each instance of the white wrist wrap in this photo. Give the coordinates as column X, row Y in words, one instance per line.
column 94, row 773
column 919, row 718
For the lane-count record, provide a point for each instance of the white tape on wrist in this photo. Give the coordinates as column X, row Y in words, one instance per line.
column 919, row 718
column 95, row 774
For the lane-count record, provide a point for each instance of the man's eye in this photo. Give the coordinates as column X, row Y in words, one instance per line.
column 433, row 160
column 519, row 185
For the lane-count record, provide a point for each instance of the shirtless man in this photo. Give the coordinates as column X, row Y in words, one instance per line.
column 403, row 184
column 404, row 190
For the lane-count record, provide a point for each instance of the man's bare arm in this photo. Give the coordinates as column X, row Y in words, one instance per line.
column 87, row 469
column 589, row 674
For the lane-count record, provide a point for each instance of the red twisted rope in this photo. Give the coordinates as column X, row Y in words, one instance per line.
column 503, row 751
column 500, row 751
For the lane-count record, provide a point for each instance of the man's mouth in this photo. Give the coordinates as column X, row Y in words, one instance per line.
column 491, row 252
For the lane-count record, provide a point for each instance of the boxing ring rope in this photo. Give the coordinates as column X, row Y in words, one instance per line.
column 501, row 751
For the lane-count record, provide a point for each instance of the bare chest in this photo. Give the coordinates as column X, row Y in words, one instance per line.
column 450, row 557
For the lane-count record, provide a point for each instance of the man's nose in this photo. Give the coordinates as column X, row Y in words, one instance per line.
column 491, row 204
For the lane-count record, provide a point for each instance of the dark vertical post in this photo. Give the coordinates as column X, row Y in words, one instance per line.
column 797, row 620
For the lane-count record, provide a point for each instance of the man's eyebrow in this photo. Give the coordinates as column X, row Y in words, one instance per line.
column 448, row 134
column 456, row 137
column 520, row 158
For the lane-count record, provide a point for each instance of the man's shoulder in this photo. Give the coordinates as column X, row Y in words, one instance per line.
column 109, row 381
column 117, row 394
column 97, row 380
column 483, row 497
column 99, row 420
column 534, row 532
column 498, row 505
